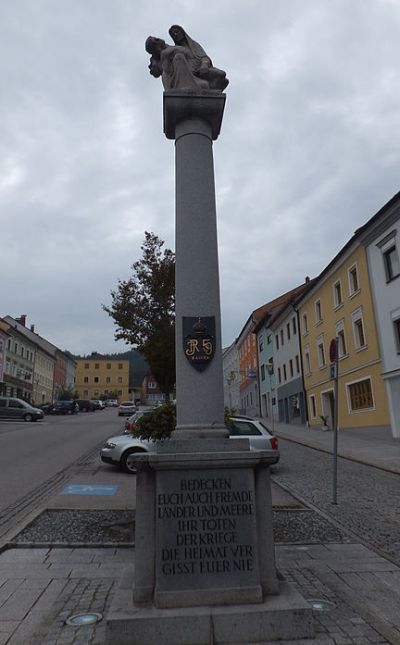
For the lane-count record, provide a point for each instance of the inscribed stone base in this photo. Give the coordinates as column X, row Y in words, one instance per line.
column 286, row 616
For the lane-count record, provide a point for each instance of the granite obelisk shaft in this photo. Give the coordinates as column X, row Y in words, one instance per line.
column 200, row 402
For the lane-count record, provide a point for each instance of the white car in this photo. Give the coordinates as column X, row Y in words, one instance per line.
column 120, row 450
column 126, row 408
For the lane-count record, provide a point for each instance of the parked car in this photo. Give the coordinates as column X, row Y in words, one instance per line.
column 65, row 407
column 111, row 403
column 47, row 408
column 132, row 420
column 13, row 408
column 99, row 405
column 120, row 450
column 85, row 405
column 126, row 408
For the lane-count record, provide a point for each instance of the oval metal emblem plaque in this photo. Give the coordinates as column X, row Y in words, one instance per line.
column 199, row 340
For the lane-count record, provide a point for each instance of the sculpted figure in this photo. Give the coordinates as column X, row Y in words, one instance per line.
column 184, row 65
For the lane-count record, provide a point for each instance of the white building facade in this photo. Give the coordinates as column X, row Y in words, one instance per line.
column 383, row 254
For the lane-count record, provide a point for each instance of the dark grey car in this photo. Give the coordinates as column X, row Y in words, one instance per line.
column 13, row 408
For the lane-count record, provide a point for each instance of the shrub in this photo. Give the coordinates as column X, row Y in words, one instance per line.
column 157, row 424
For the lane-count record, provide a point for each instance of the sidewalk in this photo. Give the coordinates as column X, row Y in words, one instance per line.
column 360, row 590
column 365, row 445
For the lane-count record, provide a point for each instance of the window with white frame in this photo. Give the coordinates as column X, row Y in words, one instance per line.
column 396, row 325
column 354, row 283
column 297, row 359
column 313, row 407
column 358, row 329
column 337, row 294
column 291, row 367
column 294, row 325
column 279, row 375
column 307, row 361
column 282, row 338
column 288, row 330
column 321, row 351
column 341, row 338
column 390, row 255
column 360, row 395
column 284, row 372
column 318, row 311
column 305, row 324
column 395, row 316
column 392, row 263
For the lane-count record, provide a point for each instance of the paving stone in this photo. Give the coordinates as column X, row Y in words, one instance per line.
column 25, row 555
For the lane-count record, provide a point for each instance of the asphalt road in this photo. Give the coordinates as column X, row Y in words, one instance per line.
column 368, row 498
column 33, row 456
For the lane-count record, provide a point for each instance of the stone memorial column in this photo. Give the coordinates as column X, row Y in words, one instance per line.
column 194, row 121
column 204, row 547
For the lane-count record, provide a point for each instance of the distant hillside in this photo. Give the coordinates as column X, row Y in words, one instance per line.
column 138, row 367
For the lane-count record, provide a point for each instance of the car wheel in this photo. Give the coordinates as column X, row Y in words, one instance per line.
column 126, row 461
column 28, row 417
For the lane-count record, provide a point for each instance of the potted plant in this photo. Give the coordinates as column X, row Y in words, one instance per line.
column 324, row 420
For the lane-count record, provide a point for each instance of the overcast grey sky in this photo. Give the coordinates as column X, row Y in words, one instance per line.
column 309, row 148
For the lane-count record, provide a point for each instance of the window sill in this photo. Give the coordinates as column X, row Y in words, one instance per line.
column 337, row 307
column 319, row 322
column 353, row 294
column 343, row 357
column 360, row 410
column 361, row 349
column 393, row 278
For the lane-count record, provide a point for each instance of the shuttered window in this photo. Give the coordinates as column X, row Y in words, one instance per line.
column 361, row 395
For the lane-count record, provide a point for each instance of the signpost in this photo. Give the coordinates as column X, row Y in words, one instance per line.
column 334, row 358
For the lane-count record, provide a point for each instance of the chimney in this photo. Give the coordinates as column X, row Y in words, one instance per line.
column 22, row 320
column 307, row 279
column 32, row 328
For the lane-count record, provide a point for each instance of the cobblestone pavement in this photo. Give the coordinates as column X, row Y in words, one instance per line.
column 40, row 588
column 362, row 591
column 368, row 498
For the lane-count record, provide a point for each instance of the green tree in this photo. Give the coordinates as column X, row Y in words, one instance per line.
column 66, row 394
column 143, row 310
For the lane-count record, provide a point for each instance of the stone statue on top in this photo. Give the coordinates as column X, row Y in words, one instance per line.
column 184, row 65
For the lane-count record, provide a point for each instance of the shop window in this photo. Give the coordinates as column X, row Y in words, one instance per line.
column 313, row 407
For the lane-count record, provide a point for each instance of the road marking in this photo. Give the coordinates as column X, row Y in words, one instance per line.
column 88, row 489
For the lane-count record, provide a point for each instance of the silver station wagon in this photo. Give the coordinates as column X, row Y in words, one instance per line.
column 120, row 450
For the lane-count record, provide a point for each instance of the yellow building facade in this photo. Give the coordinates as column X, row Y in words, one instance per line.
column 339, row 305
column 98, row 378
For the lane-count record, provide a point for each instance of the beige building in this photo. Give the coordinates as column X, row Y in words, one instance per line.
column 97, row 378
column 339, row 305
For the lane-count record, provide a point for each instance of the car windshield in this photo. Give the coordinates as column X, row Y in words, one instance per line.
column 127, row 403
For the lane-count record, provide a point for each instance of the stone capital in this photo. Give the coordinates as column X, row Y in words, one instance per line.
column 185, row 106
